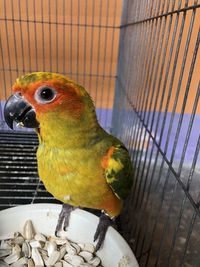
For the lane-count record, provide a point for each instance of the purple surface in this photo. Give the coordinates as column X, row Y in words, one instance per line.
column 105, row 118
column 172, row 141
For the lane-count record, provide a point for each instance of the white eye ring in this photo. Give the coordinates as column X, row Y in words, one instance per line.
column 45, row 94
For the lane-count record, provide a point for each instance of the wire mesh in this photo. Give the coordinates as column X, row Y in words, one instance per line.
column 65, row 36
column 156, row 106
column 156, row 114
column 19, row 181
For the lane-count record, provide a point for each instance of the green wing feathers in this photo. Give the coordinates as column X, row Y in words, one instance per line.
column 119, row 170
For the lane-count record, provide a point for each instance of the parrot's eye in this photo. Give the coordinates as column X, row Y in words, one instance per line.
column 45, row 95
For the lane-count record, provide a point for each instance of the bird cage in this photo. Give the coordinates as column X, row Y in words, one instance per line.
column 140, row 62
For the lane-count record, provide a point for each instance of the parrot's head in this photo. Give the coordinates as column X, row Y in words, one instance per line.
column 48, row 100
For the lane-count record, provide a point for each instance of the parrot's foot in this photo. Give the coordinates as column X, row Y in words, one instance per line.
column 104, row 222
column 64, row 216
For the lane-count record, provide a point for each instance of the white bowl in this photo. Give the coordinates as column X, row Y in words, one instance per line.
column 114, row 253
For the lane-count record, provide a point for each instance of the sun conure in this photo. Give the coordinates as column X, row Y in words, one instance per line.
column 79, row 163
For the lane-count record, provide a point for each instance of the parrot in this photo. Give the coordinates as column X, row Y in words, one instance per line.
column 79, row 163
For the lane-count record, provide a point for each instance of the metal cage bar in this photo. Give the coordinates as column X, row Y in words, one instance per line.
column 156, row 72
column 152, row 97
column 35, row 44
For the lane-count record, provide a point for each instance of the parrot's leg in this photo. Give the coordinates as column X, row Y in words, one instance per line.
column 64, row 217
column 104, row 222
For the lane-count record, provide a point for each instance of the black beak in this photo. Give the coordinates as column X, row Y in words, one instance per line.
column 19, row 110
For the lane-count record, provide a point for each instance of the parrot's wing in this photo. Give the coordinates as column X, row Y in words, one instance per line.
column 118, row 170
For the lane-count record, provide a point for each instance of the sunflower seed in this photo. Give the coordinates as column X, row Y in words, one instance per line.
column 18, row 240
column 72, row 248
column 74, row 260
column 12, row 258
column 85, row 264
column 40, row 237
column 30, row 263
column 16, row 249
column 58, row 240
column 58, row 264
column 3, row 264
column 86, row 255
column 66, row 264
column 36, row 250
column 43, row 252
column 7, row 236
column 35, row 244
column 37, row 257
column 28, row 231
column 62, row 252
column 53, row 258
column 51, row 246
column 87, row 247
column 20, row 262
column 5, row 252
column 26, row 249
column 5, row 245
column 95, row 261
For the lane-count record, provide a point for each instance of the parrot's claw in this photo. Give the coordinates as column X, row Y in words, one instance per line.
column 64, row 217
column 104, row 222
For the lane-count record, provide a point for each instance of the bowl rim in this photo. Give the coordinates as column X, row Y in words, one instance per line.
column 83, row 213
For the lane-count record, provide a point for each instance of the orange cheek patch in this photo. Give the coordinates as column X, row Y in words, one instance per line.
column 67, row 98
column 17, row 89
column 63, row 104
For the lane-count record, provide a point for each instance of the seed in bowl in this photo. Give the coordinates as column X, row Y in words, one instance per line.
column 29, row 249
